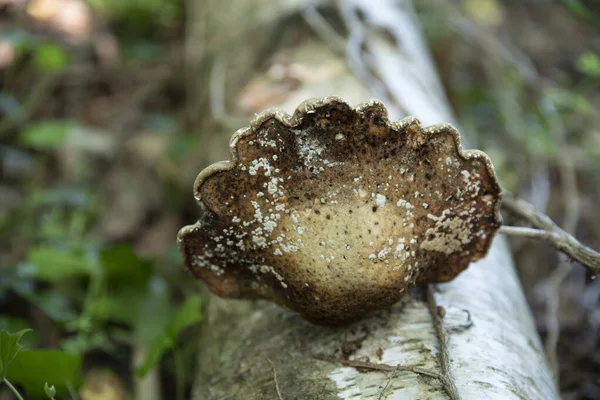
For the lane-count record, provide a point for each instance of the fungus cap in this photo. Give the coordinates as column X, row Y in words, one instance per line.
column 335, row 212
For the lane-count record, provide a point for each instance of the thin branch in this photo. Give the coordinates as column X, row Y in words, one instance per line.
column 383, row 367
column 530, row 233
column 323, row 29
column 570, row 190
column 356, row 54
column 444, row 378
column 442, row 339
column 555, row 281
column 548, row 231
column 217, row 88
column 275, row 378
column 387, row 384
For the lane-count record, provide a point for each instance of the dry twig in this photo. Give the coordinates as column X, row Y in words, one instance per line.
column 442, row 339
column 387, row 384
column 275, row 378
column 446, row 382
column 382, row 367
column 444, row 377
column 568, row 181
column 545, row 229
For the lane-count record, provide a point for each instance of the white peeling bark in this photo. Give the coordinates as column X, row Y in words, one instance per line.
column 472, row 338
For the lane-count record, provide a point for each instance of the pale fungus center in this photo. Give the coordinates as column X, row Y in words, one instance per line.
column 335, row 211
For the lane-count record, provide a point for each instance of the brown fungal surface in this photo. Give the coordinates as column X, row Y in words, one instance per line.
column 334, row 212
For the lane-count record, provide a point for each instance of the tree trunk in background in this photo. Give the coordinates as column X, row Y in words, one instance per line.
column 276, row 53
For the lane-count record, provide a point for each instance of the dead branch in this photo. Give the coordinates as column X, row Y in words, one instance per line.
column 545, row 229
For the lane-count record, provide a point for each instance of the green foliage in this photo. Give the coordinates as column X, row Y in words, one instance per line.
column 570, row 101
column 46, row 135
column 9, row 348
column 122, row 265
column 187, row 315
column 50, row 57
column 49, row 390
column 95, row 294
column 33, row 368
column 47, row 55
column 589, row 64
column 56, row 265
column 581, row 10
column 10, row 324
column 536, row 135
column 154, row 312
column 141, row 16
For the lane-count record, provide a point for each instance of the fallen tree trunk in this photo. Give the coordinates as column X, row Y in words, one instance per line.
column 472, row 338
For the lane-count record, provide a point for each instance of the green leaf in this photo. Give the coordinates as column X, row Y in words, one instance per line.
column 11, row 324
column 122, row 304
column 155, row 313
column 9, row 348
column 568, row 100
column 188, row 314
column 54, row 265
column 154, row 355
column 50, row 390
column 589, row 64
column 129, row 287
column 538, row 142
column 33, row 368
column 47, row 135
column 50, row 57
column 122, row 264
column 82, row 344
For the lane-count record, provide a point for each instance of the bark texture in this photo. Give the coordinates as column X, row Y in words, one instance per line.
column 472, row 338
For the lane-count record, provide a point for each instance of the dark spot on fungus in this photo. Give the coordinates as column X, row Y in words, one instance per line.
column 433, row 209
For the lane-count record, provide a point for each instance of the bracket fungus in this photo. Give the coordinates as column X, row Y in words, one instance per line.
column 335, row 212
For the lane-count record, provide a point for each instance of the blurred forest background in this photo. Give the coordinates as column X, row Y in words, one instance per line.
column 110, row 108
